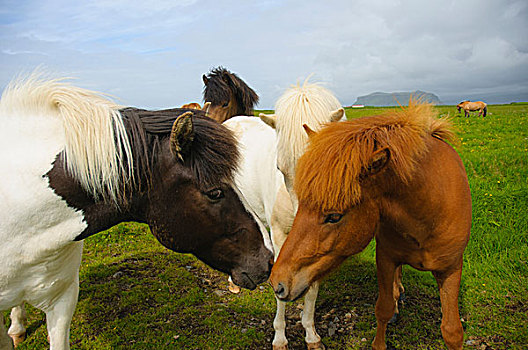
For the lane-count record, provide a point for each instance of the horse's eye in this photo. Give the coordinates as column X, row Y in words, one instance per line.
column 333, row 218
column 225, row 104
column 215, row 194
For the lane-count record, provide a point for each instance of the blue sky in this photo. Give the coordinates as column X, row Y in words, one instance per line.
column 152, row 54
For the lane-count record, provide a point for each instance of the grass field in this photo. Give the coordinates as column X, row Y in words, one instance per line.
column 134, row 294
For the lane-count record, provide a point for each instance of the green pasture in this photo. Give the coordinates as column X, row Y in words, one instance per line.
column 134, row 294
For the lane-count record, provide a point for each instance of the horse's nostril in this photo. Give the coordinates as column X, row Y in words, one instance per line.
column 281, row 290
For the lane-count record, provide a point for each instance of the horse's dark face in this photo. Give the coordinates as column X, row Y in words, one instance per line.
column 211, row 223
column 228, row 94
column 224, row 110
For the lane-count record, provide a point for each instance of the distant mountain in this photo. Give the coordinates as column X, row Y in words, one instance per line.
column 380, row 99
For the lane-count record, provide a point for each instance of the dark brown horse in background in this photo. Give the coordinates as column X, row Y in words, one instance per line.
column 228, row 94
column 469, row 106
column 392, row 177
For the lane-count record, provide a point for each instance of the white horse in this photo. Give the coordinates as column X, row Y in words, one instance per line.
column 311, row 105
column 262, row 185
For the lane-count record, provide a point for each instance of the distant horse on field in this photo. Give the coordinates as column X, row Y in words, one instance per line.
column 392, row 177
column 192, row 105
column 228, row 94
column 77, row 164
column 314, row 105
column 469, row 106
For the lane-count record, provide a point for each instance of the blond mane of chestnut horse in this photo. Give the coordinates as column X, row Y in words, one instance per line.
column 392, row 177
column 469, row 106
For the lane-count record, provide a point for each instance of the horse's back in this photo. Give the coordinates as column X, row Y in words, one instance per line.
column 432, row 211
column 474, row 106
column 192, row 105
column 444, row 186
column 447, row 182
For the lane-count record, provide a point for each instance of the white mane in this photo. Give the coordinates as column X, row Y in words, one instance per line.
column 96, row 139
column 308, row 104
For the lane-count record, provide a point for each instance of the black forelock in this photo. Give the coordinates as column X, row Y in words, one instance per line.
column 213, row 155
column 222, row 83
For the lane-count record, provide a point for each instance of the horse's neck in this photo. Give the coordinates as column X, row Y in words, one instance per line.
column 257, row 176
column 98, row 214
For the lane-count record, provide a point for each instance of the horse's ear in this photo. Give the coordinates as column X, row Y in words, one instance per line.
column 309, row 131
column 377, row 162
column 337, row 115
column 205, row 80
column 182, row 135
column 206, row 106
column 270, row 119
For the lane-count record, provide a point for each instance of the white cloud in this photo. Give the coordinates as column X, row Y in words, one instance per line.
column 12, row 53
column 153, row 53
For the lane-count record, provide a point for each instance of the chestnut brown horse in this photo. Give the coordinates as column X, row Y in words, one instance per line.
column 192, row 105
column 392, row 177
column 229, row 95
column 469, row 106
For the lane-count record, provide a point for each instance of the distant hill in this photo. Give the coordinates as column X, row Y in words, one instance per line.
column 380, row 99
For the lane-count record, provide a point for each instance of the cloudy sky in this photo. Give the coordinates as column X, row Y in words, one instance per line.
column 152, row 54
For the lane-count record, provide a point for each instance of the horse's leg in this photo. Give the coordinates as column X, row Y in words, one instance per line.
column 449, row 284
column 280, row 224
column 17, row 331
column 398, row 291
column 279, row 324
column 59, row 315
column 385, row 306
column 5, row 341
column 313, row 340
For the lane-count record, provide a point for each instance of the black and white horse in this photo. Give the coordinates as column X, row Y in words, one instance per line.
column 75, row 163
